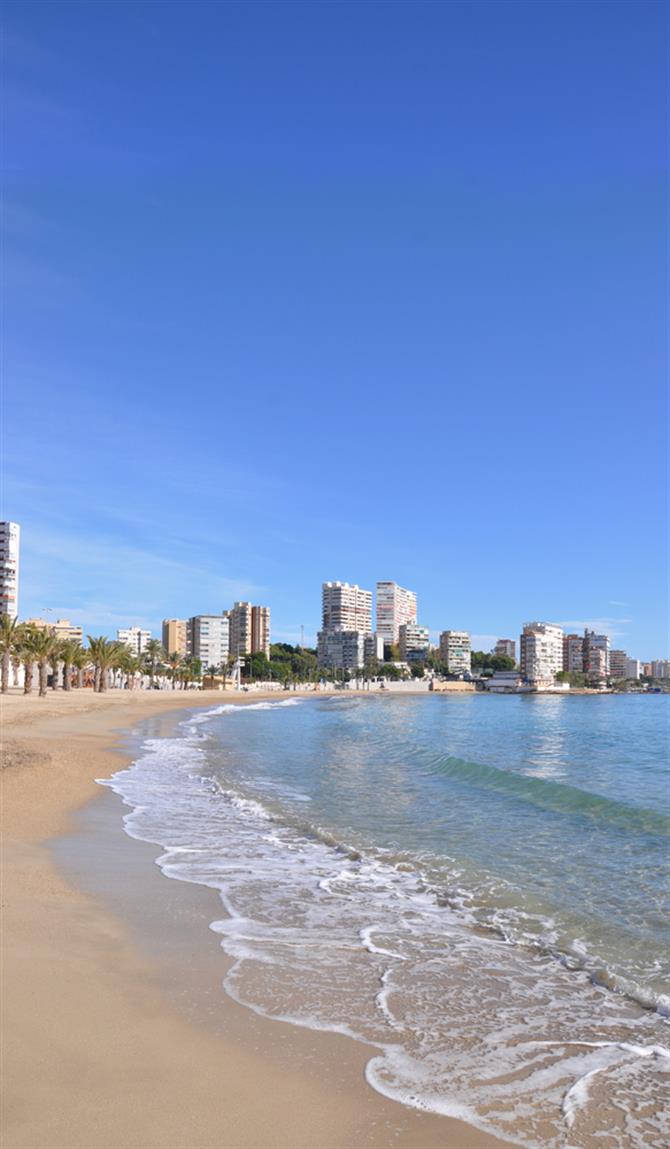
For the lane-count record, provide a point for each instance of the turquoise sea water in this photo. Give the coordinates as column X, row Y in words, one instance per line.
column 476, row 886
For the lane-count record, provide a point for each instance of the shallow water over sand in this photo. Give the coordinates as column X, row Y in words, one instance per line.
column 474, row 886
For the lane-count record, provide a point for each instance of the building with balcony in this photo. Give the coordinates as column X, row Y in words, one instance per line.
column 134, row 638
column 174, row 636
column 346, row 606
column 396, row 606
column 60, row 628
column 573, row 653
column 456, row 651
column 596, row 652
column 341, row 649
column 505, row 647
column 208, row 639
column 10, row 545
column 618, row 664
column 414, row 642
column 541, row 652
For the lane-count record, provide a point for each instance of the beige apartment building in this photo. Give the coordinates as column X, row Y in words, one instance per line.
column 174, row 636
column 249, row 629
column 62, row 628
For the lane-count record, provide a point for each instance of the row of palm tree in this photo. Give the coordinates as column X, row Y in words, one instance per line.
column 30, row 646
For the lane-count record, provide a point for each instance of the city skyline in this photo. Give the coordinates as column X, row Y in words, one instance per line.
column 478, row 640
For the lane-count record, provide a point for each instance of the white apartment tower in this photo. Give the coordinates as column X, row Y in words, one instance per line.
column 135, row 638
column 346, row 606
column 541, row 651
column 395, row 606
column 456, row 651
column 10, row 540
column 208, row 638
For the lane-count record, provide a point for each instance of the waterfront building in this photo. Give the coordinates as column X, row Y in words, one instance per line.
column 505, row 647
column 61, row 628
column 646, row 669
column 414, row 642
column 396, row 606
column 541, row 651
column 660, row 668
column 135, row 638
column 595, row 653
column 174, row 636
column 260, row 630
column 249, row 629
column 505, row 682
column 573, row 653
column 10, row 543
column 633, row 668
column 373, row 648
column 455, row 651
column 618, row 664
column 341, row 649
column 346, row 606
column 208, row 638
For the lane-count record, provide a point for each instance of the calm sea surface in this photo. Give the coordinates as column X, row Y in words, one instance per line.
column 475, row 886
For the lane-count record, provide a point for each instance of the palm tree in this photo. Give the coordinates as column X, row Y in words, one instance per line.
column 80, row 661
column 43, row 644
column 154, row 655
column 68, row 653
column 25, row 651
column 56, row 659
column 10, row 636
column 104, row 655
column 129, row 664
column 174, row 661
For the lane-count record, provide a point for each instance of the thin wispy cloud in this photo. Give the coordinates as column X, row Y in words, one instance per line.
column 613, row 627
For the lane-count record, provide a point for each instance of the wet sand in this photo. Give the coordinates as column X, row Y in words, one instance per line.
column 116, row 1032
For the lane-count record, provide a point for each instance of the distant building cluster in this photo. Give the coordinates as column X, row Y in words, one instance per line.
column 215, row 638
column 348, row 640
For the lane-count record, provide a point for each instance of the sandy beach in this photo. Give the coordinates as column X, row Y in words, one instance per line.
column 107, row 1045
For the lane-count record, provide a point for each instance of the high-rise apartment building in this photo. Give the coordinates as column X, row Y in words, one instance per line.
column 135, row 638
column 260, row 630
column 541, row 651
column 240, row 629
column 573, row 653
column 208, row 638
column 61, row 628
column 660, row 668
column 596, row 652
column 10, row 542
column 395, row 606
column 341, row 649
column 456, row 651
column 633, row 668
column 249, row 629
column 346, row 606
column 618, row 664
column 414, row 642
column 505, row 647
column 174, row 636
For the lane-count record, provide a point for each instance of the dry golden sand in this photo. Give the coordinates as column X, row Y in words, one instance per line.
column 95, row 1054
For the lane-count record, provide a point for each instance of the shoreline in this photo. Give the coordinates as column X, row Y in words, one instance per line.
column 101, row 1046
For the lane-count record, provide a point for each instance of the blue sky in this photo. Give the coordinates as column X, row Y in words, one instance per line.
column 317, row 291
